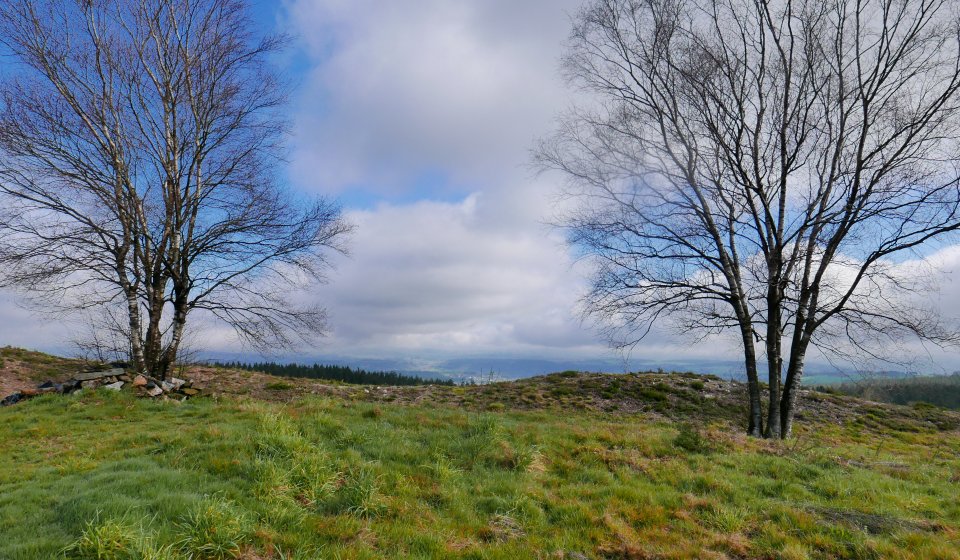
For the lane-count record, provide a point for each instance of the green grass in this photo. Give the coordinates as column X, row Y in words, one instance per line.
column 103, row 475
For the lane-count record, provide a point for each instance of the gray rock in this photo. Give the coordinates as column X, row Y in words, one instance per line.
column 155, row 392
column 114, row 386
column 91, row 375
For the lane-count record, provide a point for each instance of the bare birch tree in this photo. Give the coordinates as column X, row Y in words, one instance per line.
column 139, row 145
column 763, row 167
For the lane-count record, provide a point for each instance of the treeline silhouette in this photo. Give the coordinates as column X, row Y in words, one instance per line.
column 336, row 373
column 940, row 390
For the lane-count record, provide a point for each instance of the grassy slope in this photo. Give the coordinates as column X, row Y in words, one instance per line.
column 338, row 477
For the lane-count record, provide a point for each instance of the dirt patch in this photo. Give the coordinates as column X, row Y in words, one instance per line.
column 872, row 523
column 22, row 369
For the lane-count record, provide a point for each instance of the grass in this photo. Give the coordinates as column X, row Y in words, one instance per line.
column 105, row 476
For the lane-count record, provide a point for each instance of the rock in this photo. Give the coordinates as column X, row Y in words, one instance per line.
column 177, row 383
column 114, row 386
column 12, row 399
column 90, row 384
column 167, row 387
column 190, row 392
column 30, row 392
column 88, row 376
column 139, row 381
column 47, row 385
column 125, row 378
column 155, row 392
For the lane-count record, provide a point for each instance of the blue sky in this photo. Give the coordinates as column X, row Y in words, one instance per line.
column 419, row 117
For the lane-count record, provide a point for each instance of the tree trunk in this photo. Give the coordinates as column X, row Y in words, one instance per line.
column 176, row 338
column 753, row 383
column 133, row 315
column 774, row 365
column 792, row 385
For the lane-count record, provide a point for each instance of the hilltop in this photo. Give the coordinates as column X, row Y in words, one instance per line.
column 571, row 465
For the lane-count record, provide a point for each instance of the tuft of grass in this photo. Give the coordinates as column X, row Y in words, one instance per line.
column 110, row 539
column 214, row 530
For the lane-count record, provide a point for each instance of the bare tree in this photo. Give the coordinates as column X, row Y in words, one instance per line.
column 763, row 167
column 139, row 144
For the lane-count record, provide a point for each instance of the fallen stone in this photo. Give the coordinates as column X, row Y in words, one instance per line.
column 30, row 392
column 69, row 386
column 90, row 384
column 12, row 399
column 190, row 392
column 114, row 386
column 167, row 387
column 47, row 385
column 88, row 376
column 177, row 383
column 155, row 392
column 125, row 378
column 139, row 381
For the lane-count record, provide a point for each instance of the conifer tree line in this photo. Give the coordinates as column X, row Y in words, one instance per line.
column 336, row 373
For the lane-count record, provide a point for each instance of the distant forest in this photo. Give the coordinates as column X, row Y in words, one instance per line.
column 336, row 373
column 943, row 391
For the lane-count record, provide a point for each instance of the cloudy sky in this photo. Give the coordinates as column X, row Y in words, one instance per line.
column 419, row 116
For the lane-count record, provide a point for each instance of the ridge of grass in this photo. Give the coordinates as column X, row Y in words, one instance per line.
column 104, row 475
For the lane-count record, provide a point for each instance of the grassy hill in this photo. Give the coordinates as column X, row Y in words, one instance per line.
column 568, row 466
column 938, row 390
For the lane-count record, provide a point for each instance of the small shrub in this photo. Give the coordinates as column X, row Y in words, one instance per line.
column 691, row 440
column 373, row 413
column 649, row 394
column 278, row 386
column 214, row 531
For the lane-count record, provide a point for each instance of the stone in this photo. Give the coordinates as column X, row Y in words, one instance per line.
column 155, row 392
column 190, row 392
column 177, row 383
column 139, row 381
column 69, row 386
column 90, row 384
column 114, row 386
column 167, row 387
column 12, row 399
column 47, row 385
column 30, row 392
column 88, row 376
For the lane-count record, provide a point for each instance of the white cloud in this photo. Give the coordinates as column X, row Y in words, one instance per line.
column 435, row 276
column 400, row 88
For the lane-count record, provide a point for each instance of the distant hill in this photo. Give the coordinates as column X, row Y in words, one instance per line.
column 939, row 390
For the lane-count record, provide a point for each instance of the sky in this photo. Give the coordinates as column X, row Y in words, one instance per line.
column 419, row 117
